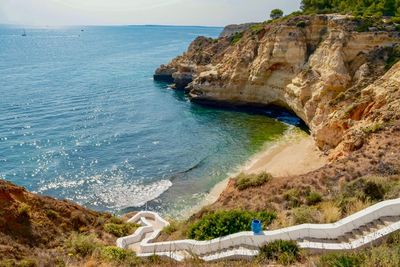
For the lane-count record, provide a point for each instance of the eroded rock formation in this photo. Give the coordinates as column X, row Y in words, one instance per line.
column 320, row 67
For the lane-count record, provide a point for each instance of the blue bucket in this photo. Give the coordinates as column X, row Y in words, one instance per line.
column 256, row 227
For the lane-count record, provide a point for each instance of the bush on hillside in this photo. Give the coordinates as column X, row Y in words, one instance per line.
column 120, row 230
column 394, row 57
column 374, row 191
column 366, row 188
column 118, row 255
column 223, row 223
column 51, row 214
column 257, row 28
column 244, row 181
column 24, row 210
column 81, row 245
column 236, row 38
column 115, row 220
column 27, row 263
column 340, row 260
column 284, row 252
column 293, row 198
column 305, row 214
column 301, row 24
column 313, row 198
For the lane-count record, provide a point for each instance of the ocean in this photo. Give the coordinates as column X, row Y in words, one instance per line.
column 82, row 119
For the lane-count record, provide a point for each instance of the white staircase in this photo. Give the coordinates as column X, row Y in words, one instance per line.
column 356, row 231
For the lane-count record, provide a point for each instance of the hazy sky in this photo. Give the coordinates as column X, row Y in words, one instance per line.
column 168, row 12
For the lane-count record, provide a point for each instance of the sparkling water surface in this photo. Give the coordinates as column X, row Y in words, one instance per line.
column 82, row 119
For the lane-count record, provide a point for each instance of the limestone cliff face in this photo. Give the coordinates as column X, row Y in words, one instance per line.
column 320, row 67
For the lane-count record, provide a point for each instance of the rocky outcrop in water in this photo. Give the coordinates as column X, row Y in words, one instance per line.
column 321, row 67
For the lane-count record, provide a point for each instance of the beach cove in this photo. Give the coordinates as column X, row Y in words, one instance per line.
column 106, row 135
column 293, row 154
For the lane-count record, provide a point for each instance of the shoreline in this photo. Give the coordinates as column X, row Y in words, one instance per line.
column 295, row 149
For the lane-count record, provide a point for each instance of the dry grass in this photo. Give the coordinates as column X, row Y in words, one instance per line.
column 356, row 206
column 330, row 212
column 283, row 220
column 175, row 231
column 45, row 231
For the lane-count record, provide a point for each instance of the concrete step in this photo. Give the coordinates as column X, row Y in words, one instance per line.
column 234, row 253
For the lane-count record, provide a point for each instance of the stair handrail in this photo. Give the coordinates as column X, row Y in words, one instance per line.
column 320, row 231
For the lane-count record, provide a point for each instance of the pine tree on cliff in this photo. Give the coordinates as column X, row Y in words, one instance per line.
column 276, row 14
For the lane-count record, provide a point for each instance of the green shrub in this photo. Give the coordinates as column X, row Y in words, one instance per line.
column 305, row 215
column 394, row 56
column 387, row 256
column 374, row 191
column 27, row 263
column 293, row 198
column 340, row 260
column 366, row 188
column 395, row 20
column 24, row 210
column 118, row 255
column 257, row 28
column 120, row 230
column 223, row 223
column 313, row 198
column 81, row 245
column 372, row 128
column 51, row 214
column 301, row 24
column 115, row 220
column 284, row 252
column 236, row 38
column 364, row 26
column 244, row 181
column 7, row 263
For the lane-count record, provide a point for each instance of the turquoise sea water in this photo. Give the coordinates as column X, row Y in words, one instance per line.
column 82, row 119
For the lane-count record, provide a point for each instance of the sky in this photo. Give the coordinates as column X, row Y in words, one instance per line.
column 139, row 12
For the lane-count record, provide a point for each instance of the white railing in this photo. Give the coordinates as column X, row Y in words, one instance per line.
column 141, row 218
column 388, row 208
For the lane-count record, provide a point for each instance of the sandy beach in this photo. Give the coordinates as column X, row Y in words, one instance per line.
column 293, row 154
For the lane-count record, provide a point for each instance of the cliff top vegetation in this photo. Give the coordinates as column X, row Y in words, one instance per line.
column 376, row 8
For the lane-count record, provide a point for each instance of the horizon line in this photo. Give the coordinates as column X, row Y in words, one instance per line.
column 109, row 25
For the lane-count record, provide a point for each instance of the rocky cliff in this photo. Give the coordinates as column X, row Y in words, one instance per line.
column 328, row 69
column 36, row 227
column 233, row 29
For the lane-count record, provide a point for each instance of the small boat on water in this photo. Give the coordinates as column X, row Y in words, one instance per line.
column 24, row 34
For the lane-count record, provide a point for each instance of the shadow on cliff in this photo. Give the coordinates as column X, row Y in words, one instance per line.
column 272, row 111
